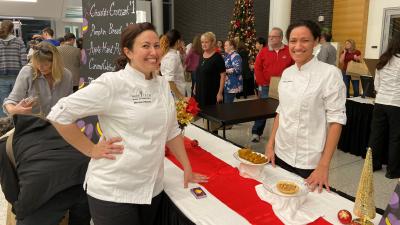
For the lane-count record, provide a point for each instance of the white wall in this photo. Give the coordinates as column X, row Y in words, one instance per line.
column 280, row 15
column 374, row 29
column 42, row 8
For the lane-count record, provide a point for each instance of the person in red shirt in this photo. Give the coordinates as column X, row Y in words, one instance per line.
column 350, row 53
column 271, row 61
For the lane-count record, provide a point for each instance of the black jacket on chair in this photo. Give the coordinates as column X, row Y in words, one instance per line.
column 45, row 165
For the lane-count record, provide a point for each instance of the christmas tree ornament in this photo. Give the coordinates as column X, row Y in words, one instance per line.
column 344, row 216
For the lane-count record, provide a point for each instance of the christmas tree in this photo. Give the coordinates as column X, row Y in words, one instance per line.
column 242, row 25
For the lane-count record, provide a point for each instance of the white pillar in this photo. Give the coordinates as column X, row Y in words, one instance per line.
column 157, row 15
column 279, row 14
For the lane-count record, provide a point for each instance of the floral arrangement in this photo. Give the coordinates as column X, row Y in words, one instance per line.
column 186, row 110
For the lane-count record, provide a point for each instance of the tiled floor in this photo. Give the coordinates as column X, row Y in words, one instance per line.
column 345, row 169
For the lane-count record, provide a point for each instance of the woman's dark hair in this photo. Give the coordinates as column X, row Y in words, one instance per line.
column 6, row 28
column 232, row 42
column 169, row 40
column 393, row 49
column 311, row 25
column 128, row 37
column 173, row 36
column 261, row 41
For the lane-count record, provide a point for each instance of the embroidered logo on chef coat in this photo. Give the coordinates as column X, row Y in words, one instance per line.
column 141, row 96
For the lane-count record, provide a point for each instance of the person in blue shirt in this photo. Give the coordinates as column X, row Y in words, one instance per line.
column 233, row 64
column 47, row 35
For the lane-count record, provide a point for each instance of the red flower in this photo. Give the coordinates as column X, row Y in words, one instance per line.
column 192, row 107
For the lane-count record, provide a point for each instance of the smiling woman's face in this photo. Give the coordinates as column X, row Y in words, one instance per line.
column 301, row 45
column 146, row 52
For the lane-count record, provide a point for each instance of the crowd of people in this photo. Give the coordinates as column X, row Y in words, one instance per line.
column 124, row 176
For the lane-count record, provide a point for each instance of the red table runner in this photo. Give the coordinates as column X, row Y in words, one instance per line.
column 229, row 187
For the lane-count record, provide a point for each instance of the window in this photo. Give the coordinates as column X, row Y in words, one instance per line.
column 391, row 26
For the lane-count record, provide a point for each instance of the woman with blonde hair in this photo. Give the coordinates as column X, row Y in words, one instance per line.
column 39, row 85
column 350, row 53
column 210, row 74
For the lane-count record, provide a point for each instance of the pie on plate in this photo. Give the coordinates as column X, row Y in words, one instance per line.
column 287, row 187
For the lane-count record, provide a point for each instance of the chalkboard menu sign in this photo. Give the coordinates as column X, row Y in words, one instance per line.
column 103, row 23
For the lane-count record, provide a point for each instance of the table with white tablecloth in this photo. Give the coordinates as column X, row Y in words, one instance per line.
column 355, row 134
column 211, row 210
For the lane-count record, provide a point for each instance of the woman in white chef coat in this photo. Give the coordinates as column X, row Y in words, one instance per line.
column 311, row 110
column 171, row 65
column 137, row 115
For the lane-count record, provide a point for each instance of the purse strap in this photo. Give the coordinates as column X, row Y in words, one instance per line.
column 9, row 149
column 9, row 146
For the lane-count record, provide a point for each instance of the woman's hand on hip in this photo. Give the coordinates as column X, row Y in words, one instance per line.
column 191, row 177
column 106, row 149
column 319, row 178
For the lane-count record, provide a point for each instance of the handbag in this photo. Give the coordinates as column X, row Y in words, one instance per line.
column 357, row 69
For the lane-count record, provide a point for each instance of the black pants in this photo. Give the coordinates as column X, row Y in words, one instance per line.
column 111, row 213
column 73, row 199
column 385, row 132
column 301, row 172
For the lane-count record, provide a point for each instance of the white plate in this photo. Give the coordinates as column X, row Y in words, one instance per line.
column 236, row 155
column 271, row 185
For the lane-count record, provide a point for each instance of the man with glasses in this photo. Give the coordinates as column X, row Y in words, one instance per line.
column 271, row 61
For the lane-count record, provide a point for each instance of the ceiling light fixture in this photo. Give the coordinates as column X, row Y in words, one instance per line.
column 18, row 1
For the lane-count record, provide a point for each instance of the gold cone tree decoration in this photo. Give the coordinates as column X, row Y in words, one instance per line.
column 364, row 206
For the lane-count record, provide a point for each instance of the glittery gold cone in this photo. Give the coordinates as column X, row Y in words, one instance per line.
column 364, row 206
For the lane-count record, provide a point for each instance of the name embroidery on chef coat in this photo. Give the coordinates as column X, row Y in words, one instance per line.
column 140, row 96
